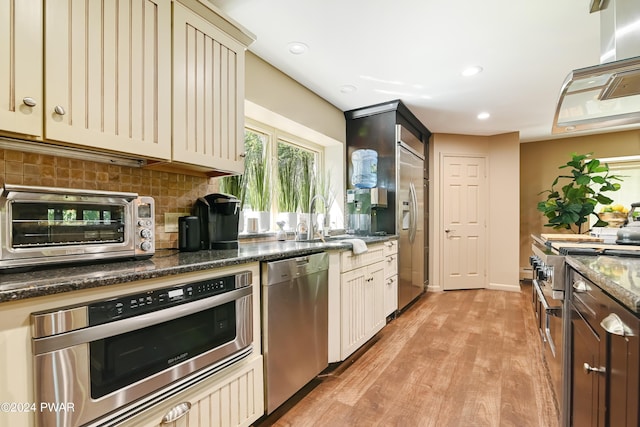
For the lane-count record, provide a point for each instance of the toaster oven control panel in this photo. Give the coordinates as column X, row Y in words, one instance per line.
column 144, row 211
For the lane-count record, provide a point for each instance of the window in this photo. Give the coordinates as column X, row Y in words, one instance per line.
column 282, row 174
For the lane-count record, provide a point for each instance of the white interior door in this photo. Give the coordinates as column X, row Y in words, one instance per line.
column 464, row 222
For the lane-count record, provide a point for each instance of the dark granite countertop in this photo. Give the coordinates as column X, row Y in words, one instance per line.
column 617, row 276
column 41, row 282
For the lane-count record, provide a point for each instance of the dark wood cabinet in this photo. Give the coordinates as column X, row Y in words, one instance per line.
column 604, row 360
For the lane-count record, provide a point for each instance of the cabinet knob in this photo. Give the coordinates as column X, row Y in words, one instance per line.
column 178, row 411
column 29, row 102
column 242, row 155
column 589, row 369
column 59, row 110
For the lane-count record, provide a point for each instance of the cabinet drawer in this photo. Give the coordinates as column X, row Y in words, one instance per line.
column 391, row 265
column 589, row 300
column 349, row 261
column 390, row 247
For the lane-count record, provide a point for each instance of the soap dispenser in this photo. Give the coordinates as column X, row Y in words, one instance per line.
column 281, row 235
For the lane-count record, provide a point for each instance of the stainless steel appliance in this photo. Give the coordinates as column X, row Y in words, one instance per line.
column 295, row 332
column 401, row 141
column 547, row 300
column 49, row 226
column 219, row 215
column 608, row 94
column 109, row 359
column 362, row 210
column 410, row 206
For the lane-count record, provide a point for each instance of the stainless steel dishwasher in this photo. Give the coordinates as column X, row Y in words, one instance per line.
column 294, row 330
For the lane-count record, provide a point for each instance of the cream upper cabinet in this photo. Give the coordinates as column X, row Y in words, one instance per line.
column 208, row 94
column 21, row 97
column 108, row 75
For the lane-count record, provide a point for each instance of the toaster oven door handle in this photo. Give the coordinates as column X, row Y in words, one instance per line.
column 118, row 327
column 13, row 188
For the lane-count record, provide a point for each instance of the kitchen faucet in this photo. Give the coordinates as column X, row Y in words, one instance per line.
column 310, row 225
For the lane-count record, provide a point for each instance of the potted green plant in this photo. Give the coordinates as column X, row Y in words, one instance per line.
column 236, row 186
column 259, row 190
column 324, row 189
column 287, row 187
column 570, row 207
column 306, row 188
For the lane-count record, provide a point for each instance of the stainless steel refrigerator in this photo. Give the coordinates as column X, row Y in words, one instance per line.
column 410, row 210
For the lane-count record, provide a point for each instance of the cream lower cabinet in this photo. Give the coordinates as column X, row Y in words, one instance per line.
column 21, row 96
column 391, row 277
column 235, row 398
column 208, row 94
column 361, row 298
column 108, row 75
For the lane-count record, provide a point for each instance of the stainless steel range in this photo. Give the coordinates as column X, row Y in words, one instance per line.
column 547, row 299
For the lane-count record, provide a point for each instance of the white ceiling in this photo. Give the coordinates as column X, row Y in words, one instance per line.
column 415, row 50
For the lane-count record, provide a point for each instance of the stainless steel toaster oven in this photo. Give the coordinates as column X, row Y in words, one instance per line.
column 48, row 226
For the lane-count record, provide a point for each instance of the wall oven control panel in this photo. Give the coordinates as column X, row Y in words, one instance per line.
column 145, row 302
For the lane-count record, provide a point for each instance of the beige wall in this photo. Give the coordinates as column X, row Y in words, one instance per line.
column 276, row 92
column 502, row 153
column 539, row 162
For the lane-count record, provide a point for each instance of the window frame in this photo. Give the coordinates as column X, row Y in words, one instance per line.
column 273, row 137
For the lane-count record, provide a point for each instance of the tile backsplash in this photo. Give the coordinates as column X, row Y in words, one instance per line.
column 172, row 192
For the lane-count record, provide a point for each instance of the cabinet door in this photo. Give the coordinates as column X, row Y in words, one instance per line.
column 208, row 94
column 390, row 295
column 363, row 310
column 108, row 75
column 354, row 301
column 377, row 290
column 21, row 66
column 623, row 353
column 586, row 383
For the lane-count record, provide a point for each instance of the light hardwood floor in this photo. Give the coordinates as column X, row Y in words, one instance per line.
column 455, row 358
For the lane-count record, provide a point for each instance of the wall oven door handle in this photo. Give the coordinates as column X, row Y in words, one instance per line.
column 541, row 297
column 97, row 332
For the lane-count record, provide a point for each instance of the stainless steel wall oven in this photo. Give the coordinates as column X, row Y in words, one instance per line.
column 112, row 358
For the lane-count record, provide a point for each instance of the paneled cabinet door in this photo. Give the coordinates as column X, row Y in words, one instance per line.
column 108, row 75
column 208, row 94
column 362, row 299
column 21, row 66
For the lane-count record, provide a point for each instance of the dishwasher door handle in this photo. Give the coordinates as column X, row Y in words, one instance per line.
column 302, row 261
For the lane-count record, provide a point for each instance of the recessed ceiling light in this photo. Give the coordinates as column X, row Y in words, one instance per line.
column 483, row 116
column 471, row 71
column 348, row 88
column 298, row 48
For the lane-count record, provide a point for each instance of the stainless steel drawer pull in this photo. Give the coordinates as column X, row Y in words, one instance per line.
column 28, row 101
column 176, row 413
column 615, row 326
column 588, row 369
column 59, row 110
column 581, row 286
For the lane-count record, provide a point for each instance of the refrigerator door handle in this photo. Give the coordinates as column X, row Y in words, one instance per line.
column 413, row 213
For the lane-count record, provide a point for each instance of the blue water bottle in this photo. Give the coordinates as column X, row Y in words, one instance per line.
column 365, row 168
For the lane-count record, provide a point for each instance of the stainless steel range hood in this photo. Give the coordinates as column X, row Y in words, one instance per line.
column 605, row 95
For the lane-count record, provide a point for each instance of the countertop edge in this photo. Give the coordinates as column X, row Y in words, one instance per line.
column 45, row 282
column 627, row 298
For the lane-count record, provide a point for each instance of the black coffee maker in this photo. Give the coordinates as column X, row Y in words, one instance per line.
column 218, row 214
